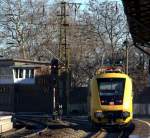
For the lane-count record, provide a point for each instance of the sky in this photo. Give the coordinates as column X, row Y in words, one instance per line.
column 85, row 1
column 78, row 1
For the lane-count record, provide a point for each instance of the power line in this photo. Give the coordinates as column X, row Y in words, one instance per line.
column 63, row 45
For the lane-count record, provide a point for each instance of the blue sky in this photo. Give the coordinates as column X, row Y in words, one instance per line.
column 85, row 1
column 82, row 1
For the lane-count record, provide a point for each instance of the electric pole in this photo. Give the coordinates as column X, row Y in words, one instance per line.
column 64, row 53
column 63, row 34
column 127, row 56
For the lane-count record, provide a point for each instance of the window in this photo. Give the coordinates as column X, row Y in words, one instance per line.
column 16, row 73
column 20, row 73
column 23, row 73
column 32, row 73
column 111, row 86
column 29, row 73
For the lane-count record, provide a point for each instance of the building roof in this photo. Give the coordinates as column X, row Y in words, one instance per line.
column 138, row 16
column 26, row 66
column 24, row 61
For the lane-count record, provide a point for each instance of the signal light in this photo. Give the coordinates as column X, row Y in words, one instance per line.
column 54, row 66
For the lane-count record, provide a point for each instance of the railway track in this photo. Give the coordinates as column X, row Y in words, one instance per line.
column 139, row 128
column 30, row 129
column 71, row 127
column 18, row 134
column 142, row 128
column 107, row 134
column 102, row 133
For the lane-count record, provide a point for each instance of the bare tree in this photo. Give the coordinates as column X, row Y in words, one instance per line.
column 102, row 35
column 30, row 29
column 27, row 26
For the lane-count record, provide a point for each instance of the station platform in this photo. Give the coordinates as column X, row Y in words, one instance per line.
column 6, row 123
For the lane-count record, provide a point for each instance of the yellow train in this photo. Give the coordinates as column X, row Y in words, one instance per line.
column 110, row 99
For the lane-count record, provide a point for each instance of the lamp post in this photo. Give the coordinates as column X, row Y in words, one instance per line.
column 127, row 55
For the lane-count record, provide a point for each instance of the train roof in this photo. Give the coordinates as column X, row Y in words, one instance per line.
column 112, row 75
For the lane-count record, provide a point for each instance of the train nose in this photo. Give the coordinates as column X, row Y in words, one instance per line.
column 112, row 114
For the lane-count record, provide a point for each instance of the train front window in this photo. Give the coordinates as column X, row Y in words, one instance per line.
column 111, row 86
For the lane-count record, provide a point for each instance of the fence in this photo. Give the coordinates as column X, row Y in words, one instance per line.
column 141, row 109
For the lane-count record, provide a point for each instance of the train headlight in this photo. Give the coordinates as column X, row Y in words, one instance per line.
column 125, row 114
column 99, row 115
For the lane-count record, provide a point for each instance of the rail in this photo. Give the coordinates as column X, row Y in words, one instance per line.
column 30, row 129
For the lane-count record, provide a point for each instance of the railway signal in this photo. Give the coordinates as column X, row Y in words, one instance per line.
column 54, row 77
column 54, row 66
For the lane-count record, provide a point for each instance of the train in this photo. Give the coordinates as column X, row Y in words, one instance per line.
column 110, row 99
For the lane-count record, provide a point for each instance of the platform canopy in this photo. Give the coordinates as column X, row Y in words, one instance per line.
column 138, row 16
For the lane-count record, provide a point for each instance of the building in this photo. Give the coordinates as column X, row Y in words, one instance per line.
column 25, row 86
